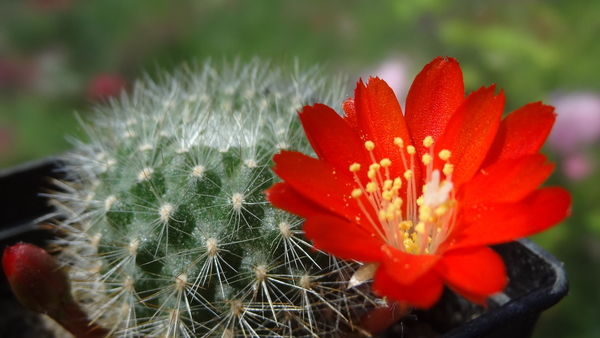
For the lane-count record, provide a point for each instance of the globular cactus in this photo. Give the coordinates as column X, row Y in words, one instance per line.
column 166, row 229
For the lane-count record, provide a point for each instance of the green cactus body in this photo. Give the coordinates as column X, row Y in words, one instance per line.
column 168, row 233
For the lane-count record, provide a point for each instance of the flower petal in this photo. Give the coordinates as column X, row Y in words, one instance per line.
column 283, row 196
column 501, row 223
column 343, row 238
column 437, row 91
column 506, row 181
column 318, row 182
column 332, row 138
column 379, row 118
column 522, row 132
column 423, row 293
column 406, row 268
column 470, row 132
column 476, row 271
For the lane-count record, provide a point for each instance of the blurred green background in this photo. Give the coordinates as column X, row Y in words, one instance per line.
column 59, row 56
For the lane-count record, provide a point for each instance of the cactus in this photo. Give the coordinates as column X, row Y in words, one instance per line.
column 165, row 227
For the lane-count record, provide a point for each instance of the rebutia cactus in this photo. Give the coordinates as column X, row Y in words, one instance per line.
column 167, row 231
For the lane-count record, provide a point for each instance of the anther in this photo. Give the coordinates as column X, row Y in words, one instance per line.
column 387, row 195
column 442, row 209
column 371, row 174
column 445, row 154
column 374, row 167
column 420, row 228
column 448, row 169
column 405, row 225
column 411, row 150
column 428, row 141
column 371, row 187
column 399, row 142
column 354, row 167
column 356, row 193
column 385, row 162
column 426, row 159
column 408, row 174
column 369, row 145
column 420, row 200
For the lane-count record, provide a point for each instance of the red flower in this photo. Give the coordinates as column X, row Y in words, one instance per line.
column 105, row 85
column 422, row 195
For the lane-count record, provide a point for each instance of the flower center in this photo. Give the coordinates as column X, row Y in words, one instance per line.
column 427, row 219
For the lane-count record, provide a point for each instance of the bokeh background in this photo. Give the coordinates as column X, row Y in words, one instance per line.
column 58, row 57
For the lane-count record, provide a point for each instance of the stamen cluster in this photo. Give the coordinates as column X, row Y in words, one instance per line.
column 415, row 225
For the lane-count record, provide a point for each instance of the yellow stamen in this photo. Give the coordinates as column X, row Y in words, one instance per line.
column 405, row 225
column 385, row 162
column 371, row 174
column 445, row 154
column 354, row 167
column 428, row 141
column 441, row 210
column 420, row 228
column 408, row 174
column 374, row 167
column 411, row 150
column 448, row 169
column 387, row 195
column 426, row 159
column 420, row 201
column 369, row 145
column 371, row 187
column 399, row 142
column 356, row 193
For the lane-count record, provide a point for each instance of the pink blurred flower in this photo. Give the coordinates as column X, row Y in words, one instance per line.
column 577, row 127
column 577, row 167
column 16, row 74
column 577, row 122
column 105, row 85
column 394, row 72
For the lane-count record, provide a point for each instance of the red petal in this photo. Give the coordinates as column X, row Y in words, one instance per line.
column 477, row 271
column 503, row 223
column 522, row 132
column 424, row 293
column 380, row 120
column 437, row 91
column 406, row 268
column 283, row 196
column 343, row 239
column 318, row 182
column 506, row 181
column 332, row 138
column 470, row 132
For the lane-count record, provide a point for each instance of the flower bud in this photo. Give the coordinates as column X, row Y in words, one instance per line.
column 36, row 278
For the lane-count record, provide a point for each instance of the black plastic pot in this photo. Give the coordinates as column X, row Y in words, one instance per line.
column 537, row 279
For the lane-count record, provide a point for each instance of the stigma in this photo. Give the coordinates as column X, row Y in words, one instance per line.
column 410, row 221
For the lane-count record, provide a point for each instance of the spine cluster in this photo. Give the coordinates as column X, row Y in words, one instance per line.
column 166, row 229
